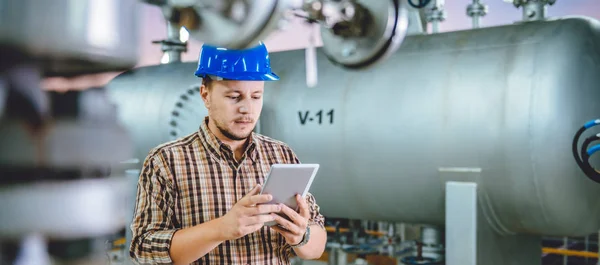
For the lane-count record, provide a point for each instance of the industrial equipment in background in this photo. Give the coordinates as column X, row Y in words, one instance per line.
column 64, row 155
column 459, row 132
column 60, row 201
column 532, row 9
column 474, row 109
column 355, row 33
column 583, row 157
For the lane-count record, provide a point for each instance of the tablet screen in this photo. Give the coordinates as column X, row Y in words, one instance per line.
column 286, row 180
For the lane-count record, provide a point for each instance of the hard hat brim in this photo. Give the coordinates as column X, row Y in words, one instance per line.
column 246, row 77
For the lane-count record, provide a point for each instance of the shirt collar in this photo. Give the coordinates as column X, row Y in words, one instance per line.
column 220, row 149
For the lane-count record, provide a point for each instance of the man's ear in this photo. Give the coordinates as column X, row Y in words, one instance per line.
column 204, row 93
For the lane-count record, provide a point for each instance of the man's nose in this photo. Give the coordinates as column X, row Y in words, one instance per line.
column 244, row 108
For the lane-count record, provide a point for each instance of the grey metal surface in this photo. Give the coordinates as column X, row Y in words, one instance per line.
column 83, row 135
column 236, row 23
column 73, row 36
column 416, row 20
column 66, row 144
column 158, row 104
column 63, row 209
column 56, row 149
column 533, row 9
column 504, row 99
column 461, row 223
column 387, row 21
column 469, row 237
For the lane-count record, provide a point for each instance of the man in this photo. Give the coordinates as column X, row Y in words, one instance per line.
column 198, row 197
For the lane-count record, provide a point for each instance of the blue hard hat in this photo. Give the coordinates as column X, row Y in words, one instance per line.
column 252, row 64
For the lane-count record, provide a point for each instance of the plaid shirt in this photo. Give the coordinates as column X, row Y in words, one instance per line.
column 196, row 179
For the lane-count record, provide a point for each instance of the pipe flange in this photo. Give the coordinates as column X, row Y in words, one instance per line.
column 171, row 45
column 435, row 14
column 519, row 3
column 185, row 116
column 233, row 24
column 387, row 27
column 477, row 9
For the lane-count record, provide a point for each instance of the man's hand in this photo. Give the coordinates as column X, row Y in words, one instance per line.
column 293, row 231
column 246, row 216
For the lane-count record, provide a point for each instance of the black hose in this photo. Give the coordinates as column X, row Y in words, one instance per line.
column 589, row 169
column 584, row 147
column 421, row 4
column 574, row 147
column 582, row 157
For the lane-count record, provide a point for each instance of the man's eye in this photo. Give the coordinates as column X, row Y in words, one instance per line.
column 232, row 97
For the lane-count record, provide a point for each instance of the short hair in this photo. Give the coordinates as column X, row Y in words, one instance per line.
column 207, row 81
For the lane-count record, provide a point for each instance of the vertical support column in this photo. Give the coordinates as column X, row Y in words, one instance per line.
column 461, row 223
column 336, row 255
column 587, row 247
column 566, row 245
column 470, row 238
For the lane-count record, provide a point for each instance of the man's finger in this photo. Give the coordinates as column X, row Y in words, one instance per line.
column 266, row 208
column 296, row 218
column 260, row 199
column 302, row 206
column 292, row 227
column 285, row 233
column 253, row 191
column 247, row 199
column 260, row 219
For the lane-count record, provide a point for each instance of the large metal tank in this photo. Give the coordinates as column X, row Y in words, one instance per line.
column 506, row 99
column 158, row 104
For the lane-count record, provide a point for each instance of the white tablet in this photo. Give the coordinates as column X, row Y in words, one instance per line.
column 286, row 180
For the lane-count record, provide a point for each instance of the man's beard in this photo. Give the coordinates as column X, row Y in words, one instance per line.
column 230, row 135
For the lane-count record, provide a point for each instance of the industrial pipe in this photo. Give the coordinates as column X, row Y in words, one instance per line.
column 435, row 14
column 173, row 46
column 476, row 11
column 533, row 9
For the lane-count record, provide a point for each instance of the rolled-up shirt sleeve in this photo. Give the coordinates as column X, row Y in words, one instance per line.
column 152, row 225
